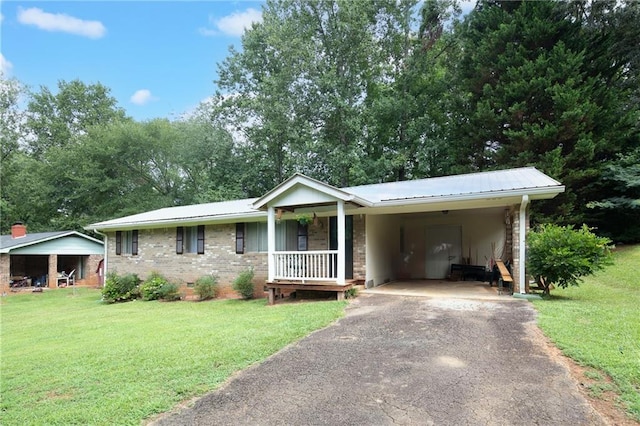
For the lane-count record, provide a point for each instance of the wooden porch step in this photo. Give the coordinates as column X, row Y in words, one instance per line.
column 339, row 289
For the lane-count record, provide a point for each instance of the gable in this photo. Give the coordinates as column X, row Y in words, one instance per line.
column 45, row 243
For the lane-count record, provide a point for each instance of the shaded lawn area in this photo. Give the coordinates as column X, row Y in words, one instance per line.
column 598, row 324
column 67, row 358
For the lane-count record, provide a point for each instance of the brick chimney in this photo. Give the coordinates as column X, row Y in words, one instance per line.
column 18, row 230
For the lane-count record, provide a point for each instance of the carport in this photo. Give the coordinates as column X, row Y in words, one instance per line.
column 37, row 259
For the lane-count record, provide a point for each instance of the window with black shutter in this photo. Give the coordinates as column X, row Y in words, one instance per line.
column 179, row 240
column 200, row 239
column 118, row 242
column 239, row 238
column 134, row 242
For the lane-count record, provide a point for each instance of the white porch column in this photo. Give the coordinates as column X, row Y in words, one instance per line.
column 341, row 242
column 271, row 242
column 523, row 244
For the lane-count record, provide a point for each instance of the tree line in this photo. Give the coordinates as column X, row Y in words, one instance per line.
column 355, row 92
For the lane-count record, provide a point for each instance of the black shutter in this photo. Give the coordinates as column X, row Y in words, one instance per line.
column 303, row 237
column 239, row 238
column 200, row 239
column 118, row 242
column 179, row 240
column 134, row 242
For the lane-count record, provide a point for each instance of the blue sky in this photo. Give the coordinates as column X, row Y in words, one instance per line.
column 159, row 58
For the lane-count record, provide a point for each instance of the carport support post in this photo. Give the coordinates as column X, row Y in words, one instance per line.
column 271, row 243
column 341, row 242
column 53, row 271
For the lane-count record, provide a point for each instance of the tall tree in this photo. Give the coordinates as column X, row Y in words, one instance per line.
column 300, row 89
column 538, row 96
column 55, row 119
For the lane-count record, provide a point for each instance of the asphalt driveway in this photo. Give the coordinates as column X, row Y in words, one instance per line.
column 405, row 360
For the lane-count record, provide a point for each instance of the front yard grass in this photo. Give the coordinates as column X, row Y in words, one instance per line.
column 67, row 358
column 598, row 324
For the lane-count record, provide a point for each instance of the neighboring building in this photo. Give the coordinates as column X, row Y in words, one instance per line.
column 38, row 259
column 306, row 231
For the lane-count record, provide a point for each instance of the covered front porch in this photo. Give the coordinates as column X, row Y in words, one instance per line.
column 323, row 260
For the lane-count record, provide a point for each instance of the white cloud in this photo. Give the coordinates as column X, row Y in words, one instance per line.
column 5, row 66
column 60, row 22
column 142, row 97
column 234, row 24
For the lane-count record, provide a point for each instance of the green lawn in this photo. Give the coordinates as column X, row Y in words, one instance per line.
column 598, row 324
column 69, row 359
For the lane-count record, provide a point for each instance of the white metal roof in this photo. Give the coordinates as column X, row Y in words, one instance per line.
column 184, row 214
column 468, row 187
column 497, row 181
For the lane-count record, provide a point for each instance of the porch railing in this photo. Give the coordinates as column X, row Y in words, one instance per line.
column 316, row 265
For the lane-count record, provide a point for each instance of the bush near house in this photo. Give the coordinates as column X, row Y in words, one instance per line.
column 151, row 288
column 561, row 255
column 243, row 284
column 206, row 287
column 121, row 288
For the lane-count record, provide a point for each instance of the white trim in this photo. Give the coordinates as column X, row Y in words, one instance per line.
column 271, row 242
column 342, row 232
column 300, row 179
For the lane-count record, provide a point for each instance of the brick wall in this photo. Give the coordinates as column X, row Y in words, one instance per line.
column 157, row 252
column 359, row 248
column 516, row 248
column 4, row 273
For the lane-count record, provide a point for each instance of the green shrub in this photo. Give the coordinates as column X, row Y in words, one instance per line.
column 206, row 287
column 150, row 288
column 351, row 293
column 169, row 292
column 120, row 288
column 243, row 284
column 561, row 255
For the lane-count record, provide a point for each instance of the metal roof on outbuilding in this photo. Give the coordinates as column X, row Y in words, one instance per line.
column 73, row 242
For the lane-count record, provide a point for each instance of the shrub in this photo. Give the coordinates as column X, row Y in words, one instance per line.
column 150, row 288
column 243, row 284
column 169, row 292
column 351, row 293
column 119, row 288
column 561, row 255
column 206, row 287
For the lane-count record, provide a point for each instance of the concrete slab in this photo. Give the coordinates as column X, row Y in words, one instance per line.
column 441, row 288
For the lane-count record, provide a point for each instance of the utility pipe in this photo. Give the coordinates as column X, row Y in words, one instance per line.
column 106, row 252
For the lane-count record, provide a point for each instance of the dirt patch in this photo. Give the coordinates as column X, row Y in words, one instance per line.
column 597, row 388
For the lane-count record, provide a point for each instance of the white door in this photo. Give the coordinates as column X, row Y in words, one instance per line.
column 443, row 245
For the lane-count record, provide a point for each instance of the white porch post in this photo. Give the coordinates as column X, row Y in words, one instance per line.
column 341, row 242
column 271, row 242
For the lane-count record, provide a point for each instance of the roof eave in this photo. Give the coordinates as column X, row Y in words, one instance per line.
column 104, row 226
column 539, row 193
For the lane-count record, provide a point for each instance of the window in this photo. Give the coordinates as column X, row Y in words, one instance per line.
column 255, row 237
column 252, row 237
column 127, row 242
column 190, row 239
